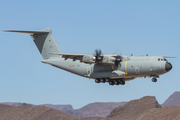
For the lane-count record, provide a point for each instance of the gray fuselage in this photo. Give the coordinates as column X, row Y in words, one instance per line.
column 132, row 66
column 115, row 69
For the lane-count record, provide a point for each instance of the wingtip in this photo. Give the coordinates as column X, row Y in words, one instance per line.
column 169, row 57
column 6, row 30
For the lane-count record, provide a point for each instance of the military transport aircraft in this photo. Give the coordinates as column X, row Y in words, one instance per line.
column 114, row 69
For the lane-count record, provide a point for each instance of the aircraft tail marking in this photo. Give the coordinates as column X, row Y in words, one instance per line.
column 44, row 41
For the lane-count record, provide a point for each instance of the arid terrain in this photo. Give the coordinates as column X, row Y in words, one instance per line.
column 174, row 99
column 145, row 108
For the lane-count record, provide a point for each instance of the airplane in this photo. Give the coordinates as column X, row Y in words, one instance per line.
column 114, row 69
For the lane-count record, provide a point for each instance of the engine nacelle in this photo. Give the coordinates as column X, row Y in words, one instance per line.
column 88, row 59
column 108, row 60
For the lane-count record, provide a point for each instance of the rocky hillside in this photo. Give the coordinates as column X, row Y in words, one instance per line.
column 92, row 118
column 58, row 107
column 174, row 99
column 28, row 112
column 14, row 103
column 95, row 109
column 146, row 108
column 133, row 109
column 100, row 109
column 165, row 113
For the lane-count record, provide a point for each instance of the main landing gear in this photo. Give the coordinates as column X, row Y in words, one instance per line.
column 111, row 82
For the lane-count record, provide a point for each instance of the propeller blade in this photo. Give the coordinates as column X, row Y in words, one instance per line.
column 98, row 55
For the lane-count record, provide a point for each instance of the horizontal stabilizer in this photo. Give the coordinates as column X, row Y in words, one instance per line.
column 30, row 32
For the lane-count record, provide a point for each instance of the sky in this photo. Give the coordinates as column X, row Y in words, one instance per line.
column 122, row 27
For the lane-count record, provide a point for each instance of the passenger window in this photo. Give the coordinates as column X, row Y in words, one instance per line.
column 159, row 59
column 165, row 60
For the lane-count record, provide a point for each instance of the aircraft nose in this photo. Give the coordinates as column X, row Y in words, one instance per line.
column 168, row 66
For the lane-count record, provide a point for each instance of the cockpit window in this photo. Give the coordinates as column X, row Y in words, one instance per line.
column 160, row 59
column 165, row 60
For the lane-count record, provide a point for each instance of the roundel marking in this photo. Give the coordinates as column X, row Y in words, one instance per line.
column 137, row 70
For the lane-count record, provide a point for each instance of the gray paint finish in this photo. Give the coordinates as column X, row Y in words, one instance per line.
column 45, row 43
column 128, row 68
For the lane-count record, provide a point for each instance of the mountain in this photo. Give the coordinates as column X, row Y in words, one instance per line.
column 100, row 109
column 28, row 112
column 165, row 113
column 174, row 99
column 92, row 118
column 133, row 109
column 14, row 103
column 146, row 108
column 58, row 107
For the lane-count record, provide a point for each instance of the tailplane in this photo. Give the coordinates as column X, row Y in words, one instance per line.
column 44, row 41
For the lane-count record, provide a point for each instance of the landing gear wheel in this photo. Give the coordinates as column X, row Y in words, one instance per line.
column 154, row 80
column 122, row 82
column 102, row 80
column 116, row 83
column 111, row 83
column 106, row 80
column 97, row 80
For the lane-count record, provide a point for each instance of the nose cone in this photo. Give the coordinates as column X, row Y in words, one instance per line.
column 168, row 66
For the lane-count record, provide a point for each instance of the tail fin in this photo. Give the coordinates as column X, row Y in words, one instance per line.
column 44, row 42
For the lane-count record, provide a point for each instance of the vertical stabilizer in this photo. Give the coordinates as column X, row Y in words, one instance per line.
column 44, row 41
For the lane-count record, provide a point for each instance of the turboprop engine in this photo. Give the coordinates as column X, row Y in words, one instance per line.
column 108, row 60
column 99, row 58
column 88, row 59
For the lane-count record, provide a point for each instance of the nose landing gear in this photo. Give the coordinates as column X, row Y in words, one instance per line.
column 154, row 80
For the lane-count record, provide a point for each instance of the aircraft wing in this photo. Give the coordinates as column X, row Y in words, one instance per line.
column 169, row 57
column 70, row 56
column 89, row 59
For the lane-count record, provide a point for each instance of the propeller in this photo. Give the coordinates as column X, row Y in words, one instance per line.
column 98, row 56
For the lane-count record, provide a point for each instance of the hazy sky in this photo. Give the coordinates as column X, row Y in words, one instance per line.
column 80, row 26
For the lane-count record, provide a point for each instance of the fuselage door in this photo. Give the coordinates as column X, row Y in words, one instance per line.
column 88, row 69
